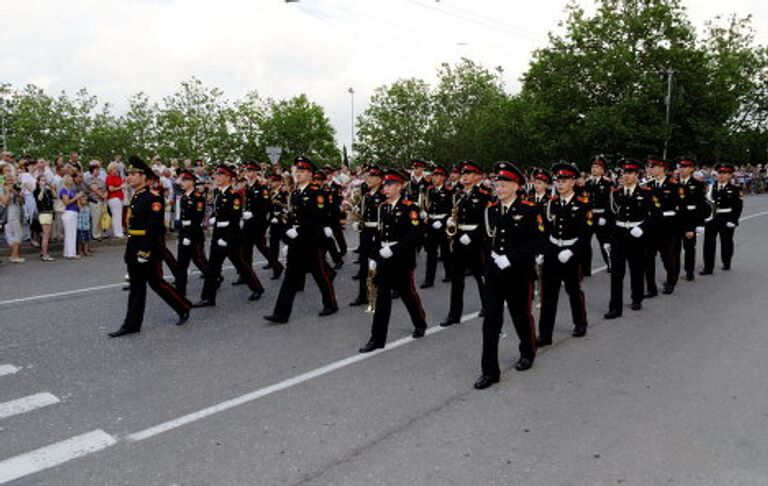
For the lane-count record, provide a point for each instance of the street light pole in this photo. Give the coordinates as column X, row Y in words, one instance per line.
column 352, row 120
column 668, row 102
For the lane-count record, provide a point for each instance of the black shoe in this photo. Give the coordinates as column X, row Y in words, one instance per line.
column 122, row 332
column 651, row 294
column 612, row 314
column 239, row 281
column 727, row 267
column 542, row 341
column 588, row 273
column 449, row 321
column 418, row 333
column 395, row 294
column 277, row 272
column 256, row 295
column 579, row 331
column 327, row 311
column 608, row 270
column 358, row 302
column 668, row 289
column 370, row 346
column 705, row 272
column 126, row 287
column 485, row 381
column 276, row 319
column 183, row 318
column 481, row 313
column 523, row 364
column 204, row 303
column 426, row 285
column 635, row 306
column 689, row 277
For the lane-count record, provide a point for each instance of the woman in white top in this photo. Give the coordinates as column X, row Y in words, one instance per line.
column 10, row 197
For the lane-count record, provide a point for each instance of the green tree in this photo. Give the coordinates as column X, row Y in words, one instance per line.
column 248, row 118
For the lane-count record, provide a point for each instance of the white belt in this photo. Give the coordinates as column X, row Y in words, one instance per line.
column 467, row 227
column 562, row 243
column 389, row 243
column 598, row 211
column 724, row 210
column 628, row 224
column 691, row 207
column 370, row 224
column 669, row 213
column 186, row 222
column 222, row 224
column 437, row 216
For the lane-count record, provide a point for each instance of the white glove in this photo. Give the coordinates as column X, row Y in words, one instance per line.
column 328, row 232
column 212, row 221
column 564, row 256
column 372, row 265
column 730, row 224
column 539, row 259
column 450, row 222
column 423, row 215
column 437, row 224
column 356, row 226
column 601, row 221
column 273, row 220
column 284, row 252
column 699, row 230
column 141, row 260
column 186, row 241
column 607, row 247
column 502, row 262
column 465, row 239
column 637, row 232
column 247, row 215
column 221, row 243
column 385, row 252
column 291, row 233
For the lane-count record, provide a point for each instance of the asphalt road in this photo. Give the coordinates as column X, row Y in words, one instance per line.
column 672, row 394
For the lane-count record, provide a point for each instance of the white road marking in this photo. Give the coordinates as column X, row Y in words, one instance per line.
column 7, row 369
column 54, row 455
column 745, row 218
column 27, row 404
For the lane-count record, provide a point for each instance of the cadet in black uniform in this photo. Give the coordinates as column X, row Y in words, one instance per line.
column 599, row 188
column 307, row 218
column 468, row 239
column 568, row 220
column 694, row 209
column 369, row 228
column 278, row 214
column 540, row 192
column 417, row 186
column 439, row 203
column 631, row 208
column 256, row 211
column 336, row 197
column 399, row 230
column 662, row 237
column 191, row 243
column 333, row 212
column 142, row 255
column 514, row 229
column 226, row 239
column 727, row 198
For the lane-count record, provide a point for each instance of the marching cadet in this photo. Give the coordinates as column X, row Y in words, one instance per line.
column 694, row 209
column 307, row 223
column 258, row 206
column 454, row 179
column 142, row 255
column 540, row 191
column 226, row 239
column 599, row 188
column 368, row 229
column 439, row 203
column 727, row 199
column 663, row 235
column 417, row 186
column 631, row 208
column 278, row 213
column 191, row 242
column 568, row 220
column 395, row 260
column 336, row 197
column 514, row 229
column 333, row 210
column 465, row 229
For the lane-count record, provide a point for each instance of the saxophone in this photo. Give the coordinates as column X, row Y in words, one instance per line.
column 371, row 291
column 452, row 225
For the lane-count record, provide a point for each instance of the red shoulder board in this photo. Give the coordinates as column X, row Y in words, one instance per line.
column 585, row 200
column 482, row 191
column 407, row 202
column 492, row 203
column 529, row 203
column 157, row 206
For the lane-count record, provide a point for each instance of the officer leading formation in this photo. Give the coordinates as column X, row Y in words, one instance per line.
column 520, row 236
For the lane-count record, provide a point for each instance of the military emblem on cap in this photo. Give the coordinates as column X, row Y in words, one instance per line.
column 506, row 171
column 303, row 163
column 135, row 164
column 565, row 170
column 541, row 174
column 470, row 166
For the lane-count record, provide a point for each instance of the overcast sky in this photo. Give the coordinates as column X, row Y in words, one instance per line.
column 318, row 47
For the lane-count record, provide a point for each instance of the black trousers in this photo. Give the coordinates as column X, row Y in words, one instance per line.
column 338, row 236
column 218, row 254
column 713, row 229
column 465, row 257
column 141, row 274
column 435, row 240
column 303, row 258
column 689, row 253
column 603, row 235
column 276, row 233
column 168, row 258
column 258, row 236
column 193, row 252
column 626, row 249
column 366, row 252
column 553, row 275
column 395, row 277
column 662, row 241
column 517, row 293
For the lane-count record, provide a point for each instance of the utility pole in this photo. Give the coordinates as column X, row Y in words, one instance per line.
column 352, row 121
column 668, row 102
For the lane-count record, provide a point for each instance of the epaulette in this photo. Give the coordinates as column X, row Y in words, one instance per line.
column 483, row 191
column 407, row 202
column 493, row 203
column 529, row 203
column 582, row 199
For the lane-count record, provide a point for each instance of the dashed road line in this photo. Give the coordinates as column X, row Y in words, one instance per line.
column 27, row 404
column 7, row 369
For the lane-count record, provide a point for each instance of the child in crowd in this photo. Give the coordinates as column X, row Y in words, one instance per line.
column 84, row 227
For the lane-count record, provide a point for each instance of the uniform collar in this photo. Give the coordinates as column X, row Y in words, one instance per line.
column 567, row 200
